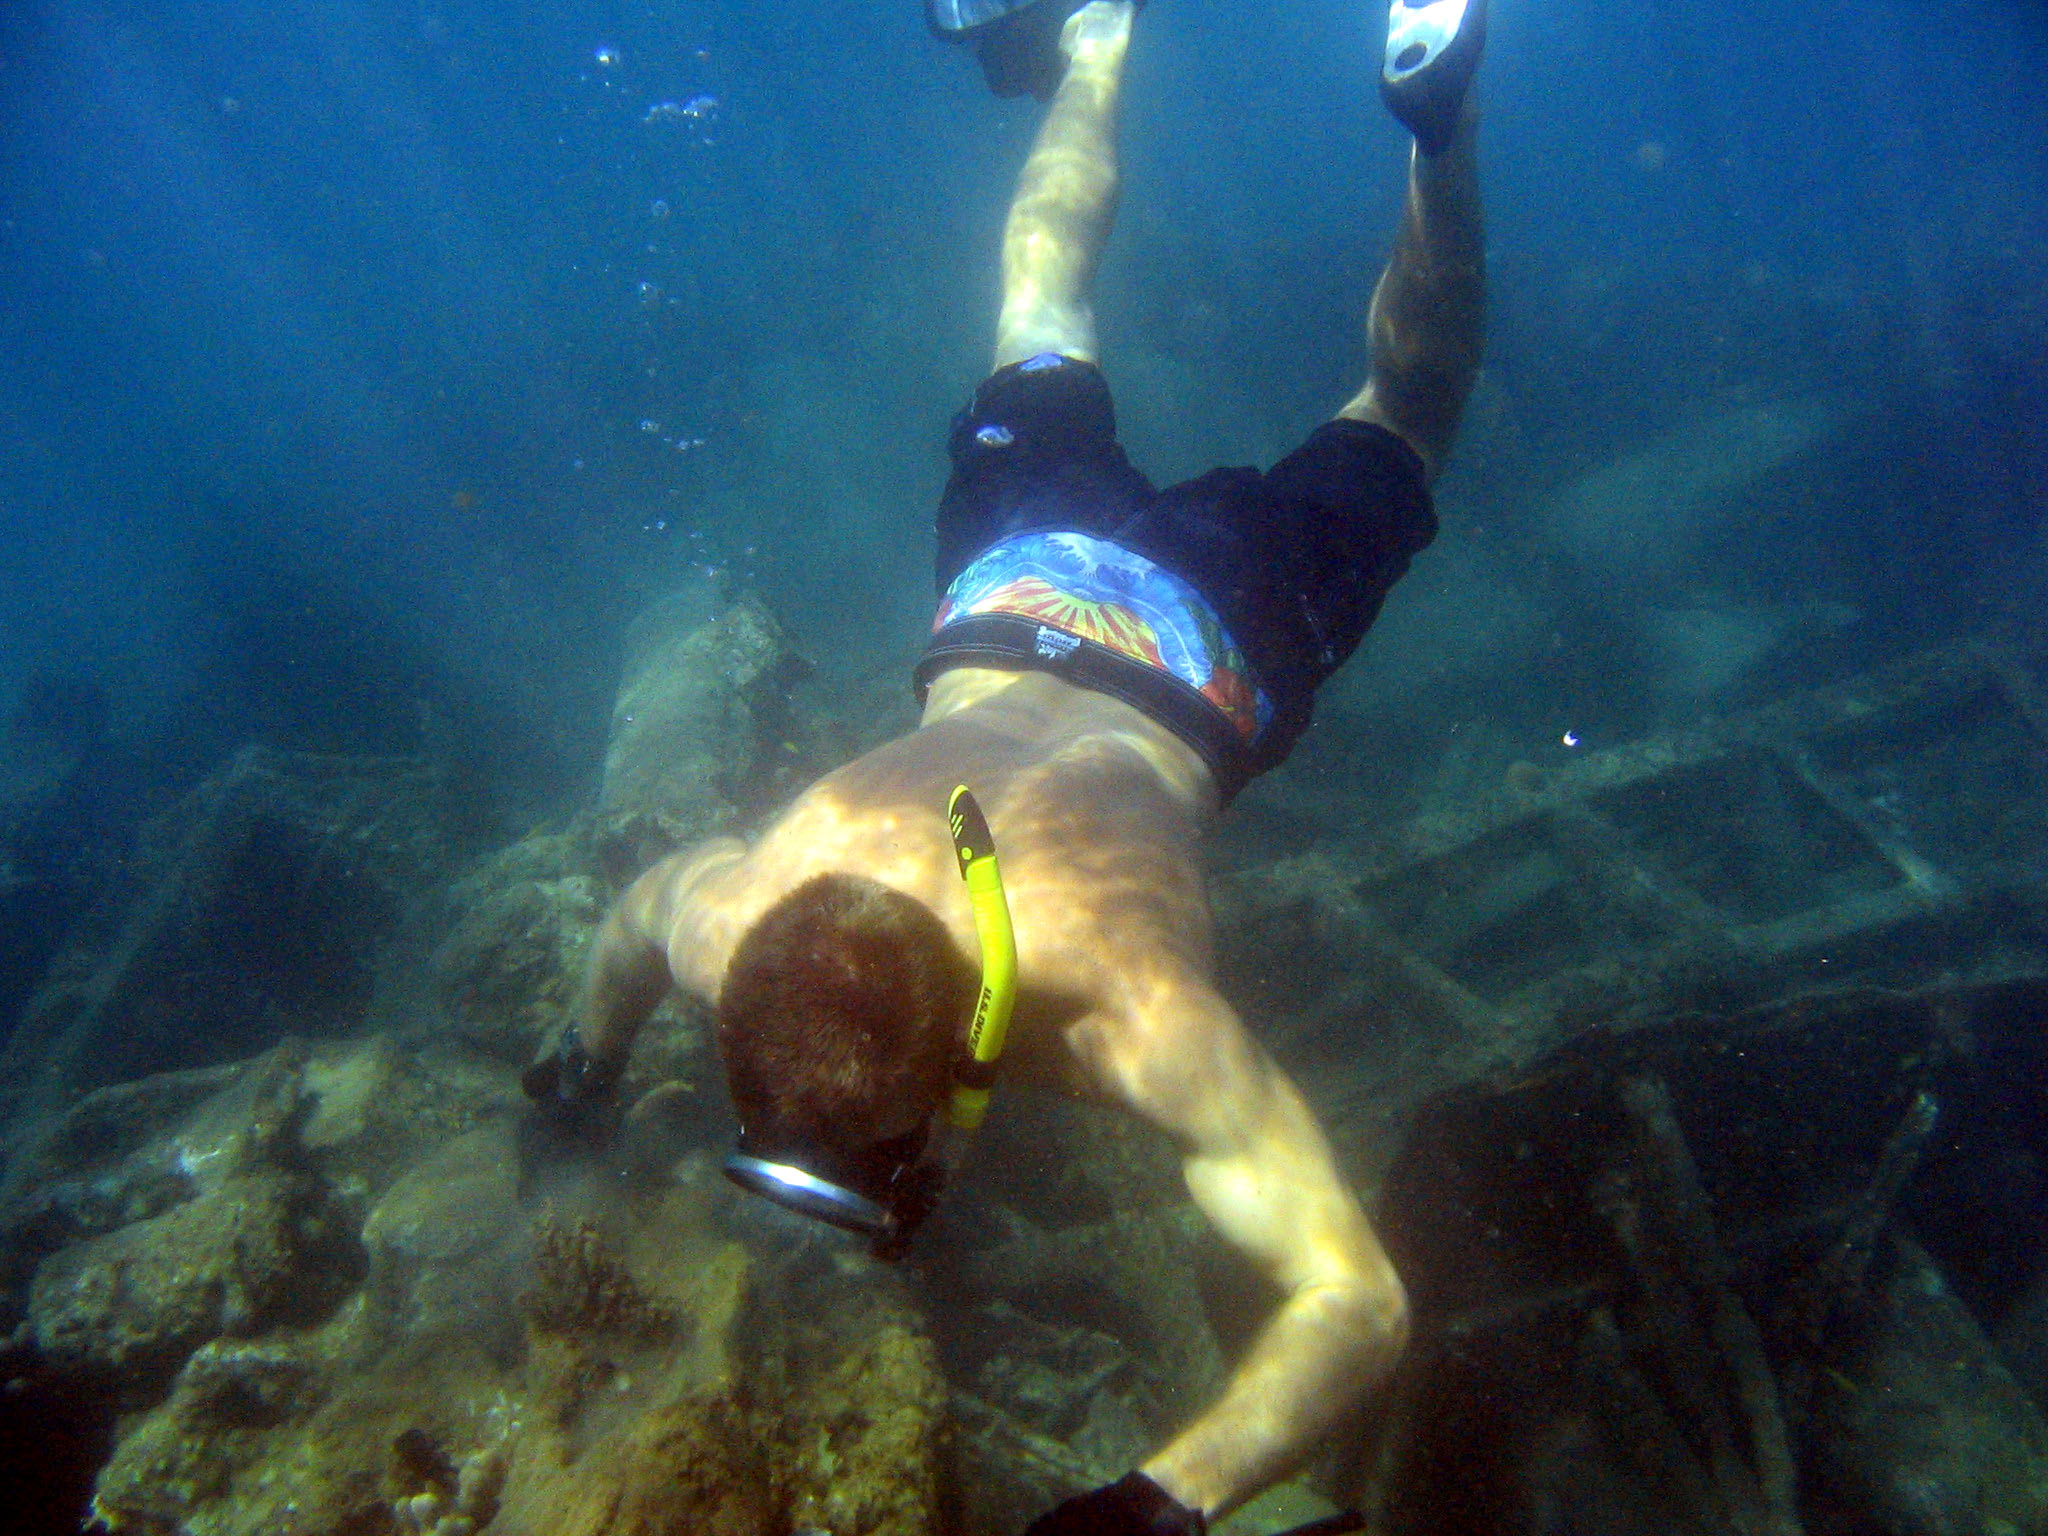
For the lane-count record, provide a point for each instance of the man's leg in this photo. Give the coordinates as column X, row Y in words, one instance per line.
column 1429, row 311
column 1066, row 197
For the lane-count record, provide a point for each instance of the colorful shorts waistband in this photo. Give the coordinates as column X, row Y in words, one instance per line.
column 1111, row 620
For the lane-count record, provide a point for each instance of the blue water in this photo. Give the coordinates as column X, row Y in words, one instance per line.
column 331, row 331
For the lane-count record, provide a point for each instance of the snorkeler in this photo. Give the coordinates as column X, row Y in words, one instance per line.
column 1109, row 666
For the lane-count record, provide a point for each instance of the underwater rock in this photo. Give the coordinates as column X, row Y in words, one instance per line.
column 186, row 1454
column 445, row 1241
column 338, row 1119
column 456, row 1501
column 508, row 971
column 296, row 1432
column 510, row 968
column 142, row 1153
column 238, row 1236
column 702, row 729
column 376, row 1107
column 608, row 1360
column 259, row 906
column 680, row 1383
column 869, row 1434
column 108, row 1163
column 129, row 1307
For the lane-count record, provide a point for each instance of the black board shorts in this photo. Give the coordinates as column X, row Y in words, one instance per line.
column 1294, row 561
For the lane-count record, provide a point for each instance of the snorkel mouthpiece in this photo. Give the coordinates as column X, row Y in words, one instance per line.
column 898, row 1191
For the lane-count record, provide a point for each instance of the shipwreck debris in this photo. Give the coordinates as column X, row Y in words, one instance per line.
column 1889, row 830
column 261, row 902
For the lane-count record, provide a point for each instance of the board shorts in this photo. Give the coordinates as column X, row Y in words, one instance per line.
column 1216, row 606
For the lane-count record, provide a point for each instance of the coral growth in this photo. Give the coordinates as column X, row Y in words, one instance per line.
column 581, row 1286
column 448, row 1500
column 867, row 1434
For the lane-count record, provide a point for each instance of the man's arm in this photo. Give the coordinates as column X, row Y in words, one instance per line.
column 1260, row 1169
column 627, row 976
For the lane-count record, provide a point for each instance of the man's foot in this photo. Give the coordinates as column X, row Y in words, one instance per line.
column 1433, row 48
column 1024, row 45
column 574, row 1098
column 1099, row 32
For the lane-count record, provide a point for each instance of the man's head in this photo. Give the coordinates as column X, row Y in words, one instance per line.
column 841, row 1015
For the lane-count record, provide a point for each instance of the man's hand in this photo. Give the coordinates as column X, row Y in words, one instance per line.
column 1132, row 1506
column 575, row 1097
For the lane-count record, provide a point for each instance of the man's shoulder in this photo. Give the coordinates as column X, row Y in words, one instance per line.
column 685, row 902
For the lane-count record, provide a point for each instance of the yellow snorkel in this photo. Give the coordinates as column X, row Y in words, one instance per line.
column 976, row 1073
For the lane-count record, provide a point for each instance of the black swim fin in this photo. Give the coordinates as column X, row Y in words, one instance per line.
column 952, row 18
column 1433, row 48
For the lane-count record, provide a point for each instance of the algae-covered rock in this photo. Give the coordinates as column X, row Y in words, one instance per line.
column 239, row 1234
column 315, row 1433
column 225, row 1401
column 444, row 1242
column 188, row 1197
column 605, row 1360
column 130, row 1306
column 868, row 1433
column 702, row 729
column 375, row 1108
column 508, row 970
column 622, row 1439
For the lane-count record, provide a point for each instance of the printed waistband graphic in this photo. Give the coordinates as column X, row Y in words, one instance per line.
column 1078, row 587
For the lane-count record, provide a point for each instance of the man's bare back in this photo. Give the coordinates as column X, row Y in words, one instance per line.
column 1098, row 810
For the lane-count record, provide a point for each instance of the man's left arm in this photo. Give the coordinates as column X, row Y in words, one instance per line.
column 1261, row 1170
